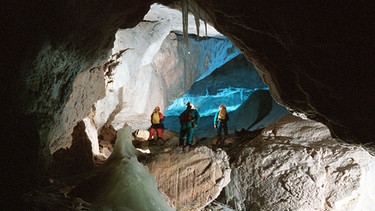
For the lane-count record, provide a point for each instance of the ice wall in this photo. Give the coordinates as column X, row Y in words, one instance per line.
column 208, row 104
column 230, row 84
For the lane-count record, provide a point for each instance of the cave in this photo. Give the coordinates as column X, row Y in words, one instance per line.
column 315, row 58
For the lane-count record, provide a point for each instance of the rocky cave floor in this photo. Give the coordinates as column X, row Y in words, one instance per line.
column 231, row 144
column 61, row 194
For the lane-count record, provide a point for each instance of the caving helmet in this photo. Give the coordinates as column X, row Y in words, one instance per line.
column 189, row 105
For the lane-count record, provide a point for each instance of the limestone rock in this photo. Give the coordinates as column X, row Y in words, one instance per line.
column 141, row 134
column 193, row 179
column 77, row 158
column 92, row 134
column 296, row 165
column 88, row 87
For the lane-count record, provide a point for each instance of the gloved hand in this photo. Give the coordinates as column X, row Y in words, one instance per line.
column 215, row 125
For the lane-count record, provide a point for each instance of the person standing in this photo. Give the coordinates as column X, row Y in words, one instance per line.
column 157, row 125
column 220, row 121
column 189, row 119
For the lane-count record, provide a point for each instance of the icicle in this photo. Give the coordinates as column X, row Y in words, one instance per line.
column 194, row 8
column 197, row 24
column 205, row 27
column 185, row 16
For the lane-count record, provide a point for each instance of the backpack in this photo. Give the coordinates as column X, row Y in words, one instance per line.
column 222, row 114
column 155, row 119
column 186, row 117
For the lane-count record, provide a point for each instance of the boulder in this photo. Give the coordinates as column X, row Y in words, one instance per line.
column 190, row 180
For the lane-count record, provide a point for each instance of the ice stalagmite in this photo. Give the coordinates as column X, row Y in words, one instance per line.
column 127, row 184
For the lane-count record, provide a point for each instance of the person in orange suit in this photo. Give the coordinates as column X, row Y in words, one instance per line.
column 157, row 125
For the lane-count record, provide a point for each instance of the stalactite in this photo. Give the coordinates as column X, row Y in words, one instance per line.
column 197, row 24
column 194, row 8
column 185, row 16
column 205, row 27
column 185, row 25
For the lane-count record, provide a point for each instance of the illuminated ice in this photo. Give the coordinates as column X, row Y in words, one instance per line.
column 229, row 83
column 207, row 105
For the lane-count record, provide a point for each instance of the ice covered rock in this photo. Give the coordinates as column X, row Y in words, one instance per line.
column 296, row 165
column 193, row 179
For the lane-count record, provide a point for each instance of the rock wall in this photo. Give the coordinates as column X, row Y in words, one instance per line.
column 76, row 159
column 296, row 165
column 45, row 45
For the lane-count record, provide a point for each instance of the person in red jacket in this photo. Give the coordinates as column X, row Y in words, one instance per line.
column 157, row 125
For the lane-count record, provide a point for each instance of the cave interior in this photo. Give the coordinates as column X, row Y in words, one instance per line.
column 315, row 58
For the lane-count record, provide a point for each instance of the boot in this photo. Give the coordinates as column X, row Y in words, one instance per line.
column 160, row 142
column 187, row 148
column 151, row 142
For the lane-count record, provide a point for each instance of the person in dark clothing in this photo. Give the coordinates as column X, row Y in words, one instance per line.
column 189, row 119
column 220, row 121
